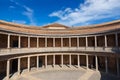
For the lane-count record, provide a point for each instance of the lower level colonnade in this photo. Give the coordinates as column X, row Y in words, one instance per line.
column 86, row 61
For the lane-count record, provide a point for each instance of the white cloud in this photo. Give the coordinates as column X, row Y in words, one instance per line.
column 28, row 12
column 90, row 10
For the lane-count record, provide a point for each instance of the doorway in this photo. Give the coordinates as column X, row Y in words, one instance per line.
column 14, row 65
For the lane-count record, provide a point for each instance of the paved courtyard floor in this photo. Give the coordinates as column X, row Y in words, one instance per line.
column 65, row 73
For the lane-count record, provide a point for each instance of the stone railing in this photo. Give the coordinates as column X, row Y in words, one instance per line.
column 12, row 51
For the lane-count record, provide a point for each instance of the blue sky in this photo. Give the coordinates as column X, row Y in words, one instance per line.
column 67, row 12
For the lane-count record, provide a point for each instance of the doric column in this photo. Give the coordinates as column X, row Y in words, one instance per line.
column 45, row 41
column 8, row 70
column 37, row 62
column 96, row 62
column 28, row 42
column 28, row 63
column 78, row 60
column 87, row 62
column 61, row 60
column 70, row 60
column 8, row 41
column 106, row 64
column 116, row 39
column 19, row 43
column 105, row 41
column 53, row 60
column 69, row 41
column 53, row 42
column 95, row 41
column 118, row 73
column 45, row 61
column 18, row 66
column 37, row 42
column 86, row 39
column 78, row 42
column 61, row 42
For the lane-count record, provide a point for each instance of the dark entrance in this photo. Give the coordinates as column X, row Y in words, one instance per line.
column 40, row 63
column 15, row 43
column 14, row 65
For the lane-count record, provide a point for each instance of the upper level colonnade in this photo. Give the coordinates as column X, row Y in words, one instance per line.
column 103, row 42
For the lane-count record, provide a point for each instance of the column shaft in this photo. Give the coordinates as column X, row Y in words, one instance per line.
column 19, row 66
column 61, row 42
column 28, row 64
column 78, row 42
column 87, row 62
column 96, row 62
column 37, row 42
column 62, row 60
column 116, row 39
column 53, row 42
column 95, row 41
column 106, row 64
column 70, row 60
column 37, row 62
column 69, row 42
column 45, row 61
column 86, row 41
column 8, row 69
column 28, row 42
column 8, row 41
column 105, row 41
column 53, row 60
column 19, row 43
column 78, row 58
column 46, row 42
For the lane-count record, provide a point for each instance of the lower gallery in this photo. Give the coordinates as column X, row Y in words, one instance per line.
column 23, row 47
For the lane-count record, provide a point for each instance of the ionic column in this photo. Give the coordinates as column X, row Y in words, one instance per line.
column 37, row 42
column 105, row 41
column 95, row 41
column 87, row 62
column 46, row 42
column 61, row 42
column 8, row 41
column 86, row 39
column 28, row 63
column 116, row 39
column 37, row 62
column 78, row 58
column 53, row 60
column 69, row 41
column 53, row 42
column 118, row 73
column 19, row 43
column 8, row 70
column 96, row 62
column 78, row 42
column 18, row 66
column 70, row 60
column 45, row 61
column 106, row 64
column 28, row 42
column 61, row 60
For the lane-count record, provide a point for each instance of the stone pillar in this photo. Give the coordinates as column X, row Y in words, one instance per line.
column 118, row 73
column 61, row 42
column 61, row 60
column 53, row 60
column 28, row 64
column 95, row 41
column 106, row 64
column 8, row 41
column 19, row 66
column 86, row 41
column 46, row 42
column 45, row 61
column 37, row 62
column 116, row 39
column 8, row 70
column 78, row 42
column 37, row 42
column 78, row 60
column 70, row 60
column 53, row 42
column 19, row 43
column 96, row 62
column 69, row 42
column 28, row 42
column 87, row 65
column 105, row 41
